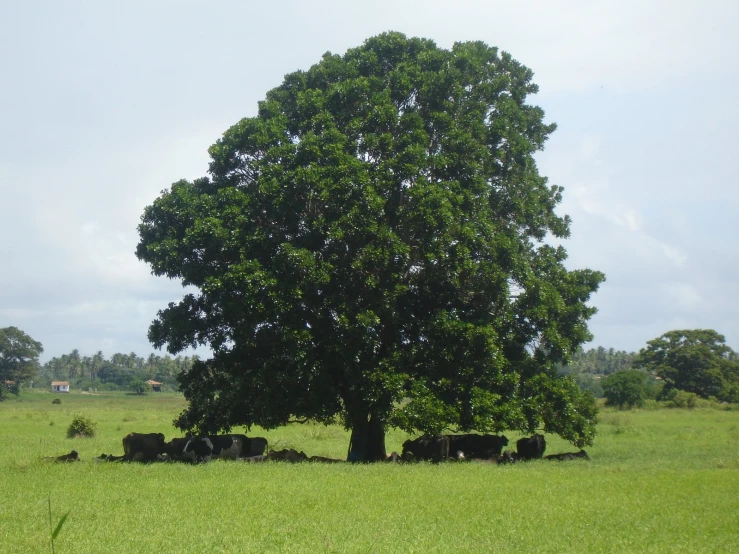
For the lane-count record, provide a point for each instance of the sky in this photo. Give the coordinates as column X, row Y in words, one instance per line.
column 103, row 105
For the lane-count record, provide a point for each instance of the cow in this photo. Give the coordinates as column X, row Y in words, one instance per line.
column 193, row 449
column 324, row 460
column 568, row 456
column 254, row 446
column 507, row 457
column 144, row 447
column 407, row 457
column 73, row 456
column 477, row 446
column 428, row 447
column 531, row 448
column 287, row 455
column 393, row 457
column 109, row 458
column 229, row 447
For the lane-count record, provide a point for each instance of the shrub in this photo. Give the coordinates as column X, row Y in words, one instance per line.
column 56, row 401
column 730, row 393
column 682, row 399
column 137, row 386
column 81, row 426
column 625, row 389
column 651, row 404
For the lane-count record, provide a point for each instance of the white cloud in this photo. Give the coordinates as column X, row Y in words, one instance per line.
column 95, row 127
column 598, row 193
column 684, row 293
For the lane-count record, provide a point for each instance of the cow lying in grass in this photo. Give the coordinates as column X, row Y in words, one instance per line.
column 109, row 458
column 195, row 450
column 434, row 448
column 285, row 455
column 144, row 447
column 476, row 447
column 582, row 455
column 73, row 456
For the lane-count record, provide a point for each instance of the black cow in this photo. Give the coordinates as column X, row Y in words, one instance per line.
column 428, row 447
column 143, row 447
column 507, row 457
column 477, row 447
column 568, row 456
column 194, row 449
column 287, row 455
column 229, row 447
column 393, row 457
column 73, row 456
column 531, row 448
column 109, row 458
column 254, row 446
column 324, row 460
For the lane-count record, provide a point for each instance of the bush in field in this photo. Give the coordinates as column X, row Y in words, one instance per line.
column 626, row 389
column 655, row 389
column 137, row 386
column 681, row 399
column 56, row 401
column 81, row 426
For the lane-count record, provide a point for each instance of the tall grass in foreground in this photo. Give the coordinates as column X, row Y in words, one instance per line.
column 659, row 481
column 54, row 533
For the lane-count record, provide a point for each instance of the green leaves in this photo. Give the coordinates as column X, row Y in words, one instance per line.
column 697, row 361
column 371, row 245
column 18, row 359
column 55, row 533
column 626, row 389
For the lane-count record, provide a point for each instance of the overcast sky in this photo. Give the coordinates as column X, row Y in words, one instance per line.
column 103, row 105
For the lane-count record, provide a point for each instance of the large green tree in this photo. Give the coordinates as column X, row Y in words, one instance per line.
column 626, row 389
column 18, row 359
column 693, row 360
column 376, row 244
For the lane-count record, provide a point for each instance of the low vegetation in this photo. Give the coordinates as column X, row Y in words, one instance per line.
column 81, row 426
column 650, row 470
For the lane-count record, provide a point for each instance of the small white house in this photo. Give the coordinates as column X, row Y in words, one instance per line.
column 60, row 386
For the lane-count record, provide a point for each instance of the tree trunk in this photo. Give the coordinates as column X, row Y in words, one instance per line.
column 367, row 443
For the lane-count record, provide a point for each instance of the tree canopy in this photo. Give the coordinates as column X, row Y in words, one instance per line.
column 626, row 389
column 377, row 245
column 696, row 360
column 18, row 359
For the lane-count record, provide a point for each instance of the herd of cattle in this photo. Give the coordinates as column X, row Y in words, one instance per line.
column 151, row 447
column 481, row 447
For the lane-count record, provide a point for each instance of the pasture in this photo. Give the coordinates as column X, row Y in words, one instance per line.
column 659, row 481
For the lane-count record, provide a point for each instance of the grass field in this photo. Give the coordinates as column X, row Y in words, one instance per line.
column 659, row 481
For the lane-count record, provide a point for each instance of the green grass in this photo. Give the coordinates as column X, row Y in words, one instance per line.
column 659, row 481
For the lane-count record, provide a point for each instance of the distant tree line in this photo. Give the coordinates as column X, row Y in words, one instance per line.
column 118, row 372
column 672, row 367
column 589, row 367
column 678, row 367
